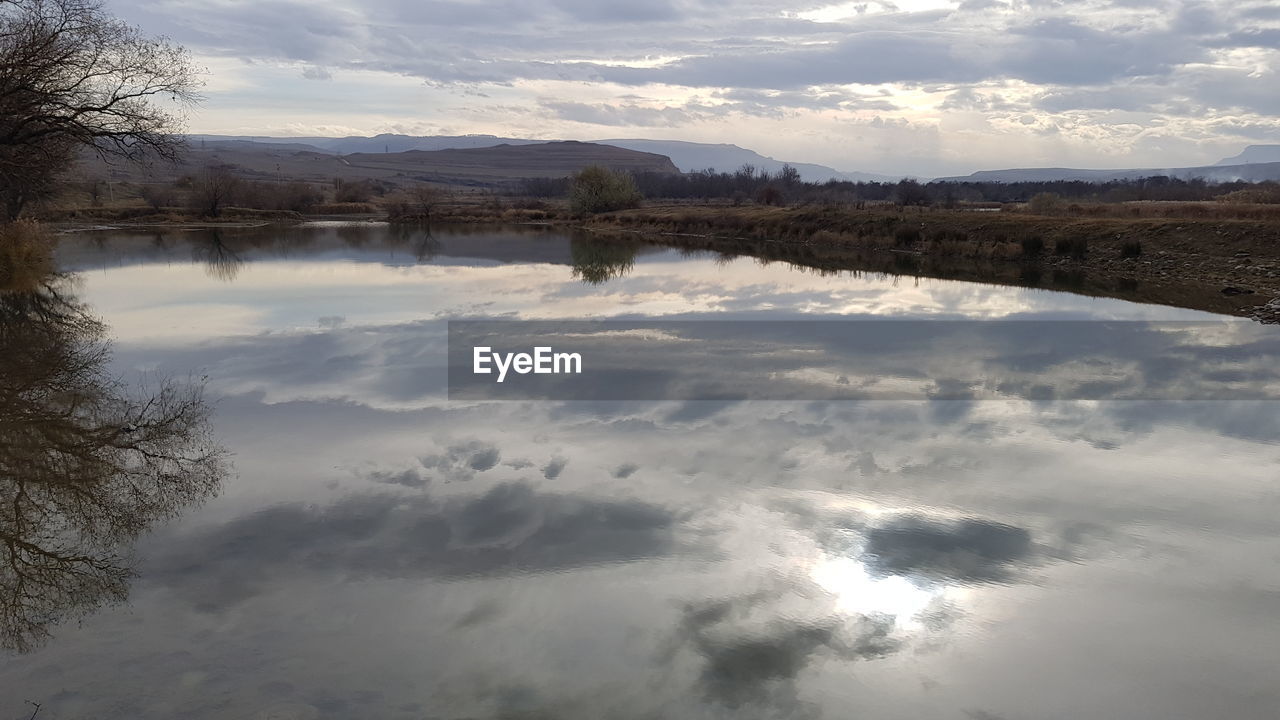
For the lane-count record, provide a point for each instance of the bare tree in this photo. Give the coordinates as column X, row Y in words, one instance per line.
column 426, row 197
column 214, row 189
column 73, row 77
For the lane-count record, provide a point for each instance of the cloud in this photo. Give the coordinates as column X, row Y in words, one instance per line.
column 315, row 72
column 699, row 69
column 552, row 469
column 410, row 478
column 967, row 551
column 510, row 528
column 626, row 114
column 462, row 461
column 753, row 652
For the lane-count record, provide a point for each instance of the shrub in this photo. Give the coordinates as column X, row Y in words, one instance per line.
column 598, row 189
column 296, row 196
column 159, row 196
column 1045, row 204
column 906, row 235
column 1032, row 245
column 1131, row 249
column 910, row 192
column 947, row 235
column 769, row 195
column 356, row 191
column 1075, row 247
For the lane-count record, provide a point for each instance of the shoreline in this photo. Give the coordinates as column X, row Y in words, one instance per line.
column 1220, row 265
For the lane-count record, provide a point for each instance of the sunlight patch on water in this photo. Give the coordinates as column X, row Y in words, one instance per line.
column 860, row 592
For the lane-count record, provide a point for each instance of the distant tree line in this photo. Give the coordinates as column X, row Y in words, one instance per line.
column 749, row 184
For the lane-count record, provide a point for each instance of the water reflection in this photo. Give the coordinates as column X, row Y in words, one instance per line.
column 220, row 260
column 391, row 554
column 596, row 261
column 86, row 464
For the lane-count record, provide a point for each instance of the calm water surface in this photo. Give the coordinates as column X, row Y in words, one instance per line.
column 376, row 551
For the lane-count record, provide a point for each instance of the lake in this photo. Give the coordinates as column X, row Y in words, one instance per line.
column 324, row 533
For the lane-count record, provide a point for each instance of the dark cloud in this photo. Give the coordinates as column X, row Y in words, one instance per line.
column 967, row 551
column 317, row 73
column 745, row 662
column 625, row 470
column 750, row 47
column 511, row 528
column 554, row 467
column 462, row 460
column 410, row 478
column 1064, row 52
column 1268, row 38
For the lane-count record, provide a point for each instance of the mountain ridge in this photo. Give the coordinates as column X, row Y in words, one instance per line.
column 687, row 156
column 1253, row 154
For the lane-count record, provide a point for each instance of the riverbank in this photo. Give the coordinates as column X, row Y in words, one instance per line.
column 1223, row 259
column 1214, row 264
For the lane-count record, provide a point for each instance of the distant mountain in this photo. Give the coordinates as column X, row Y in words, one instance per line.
column 489, row 165
column 482, row 167
column 691, row 156
column 223, row 142
column 377, row 144
column 688, row 156
column 1254, row 154
column 1254, row 172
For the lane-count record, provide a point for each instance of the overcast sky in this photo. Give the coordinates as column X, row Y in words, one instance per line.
column 928, row 87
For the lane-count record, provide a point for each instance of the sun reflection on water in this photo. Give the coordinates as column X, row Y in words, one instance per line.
column 859, row 591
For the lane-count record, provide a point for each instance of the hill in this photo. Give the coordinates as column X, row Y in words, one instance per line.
column 490, row 165
column 692, row 156
column 386, row 142
column 476, row 167
column 687, row 156
column 1254, row 154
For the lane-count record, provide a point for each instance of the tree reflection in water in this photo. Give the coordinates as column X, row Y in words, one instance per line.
column 222, row 262
column 86, row 463
column 596, row 260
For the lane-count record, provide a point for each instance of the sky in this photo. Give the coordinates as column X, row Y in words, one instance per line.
column 926, row 87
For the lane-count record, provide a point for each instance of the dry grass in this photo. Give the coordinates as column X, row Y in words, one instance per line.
column 1156, row 227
